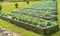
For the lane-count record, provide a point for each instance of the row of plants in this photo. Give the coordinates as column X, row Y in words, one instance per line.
column 37, row 15
column 27, row 19
column 43, row 11
column 33, row 18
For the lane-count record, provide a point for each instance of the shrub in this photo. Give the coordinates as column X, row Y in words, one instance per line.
column 17, row 18
column 41, row 23
column 28, row 1
column 25, row 18
column 34, row 22
column 5, row 14
column 49, row 24
column 2, row 14
column 21, row 18
column 16, row 5
column 29, row 20
column 13, row 17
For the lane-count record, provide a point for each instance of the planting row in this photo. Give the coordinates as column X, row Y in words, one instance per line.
column 27, row 19
column 41, row 9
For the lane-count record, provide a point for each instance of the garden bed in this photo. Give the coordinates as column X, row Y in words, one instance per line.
column 37, row 20
column 45, row 30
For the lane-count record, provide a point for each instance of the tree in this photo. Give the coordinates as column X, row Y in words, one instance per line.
column 16, row 5
column 27, row 1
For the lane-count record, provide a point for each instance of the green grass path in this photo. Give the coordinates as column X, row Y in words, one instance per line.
column 17, row 29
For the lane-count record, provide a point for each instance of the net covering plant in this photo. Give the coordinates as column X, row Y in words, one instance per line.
column 34, row 13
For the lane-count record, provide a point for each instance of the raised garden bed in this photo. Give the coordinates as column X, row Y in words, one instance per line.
column 45, row 30
column 41, row 19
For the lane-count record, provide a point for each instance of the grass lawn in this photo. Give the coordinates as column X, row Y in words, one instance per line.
column 17, row 29
column 8, row 7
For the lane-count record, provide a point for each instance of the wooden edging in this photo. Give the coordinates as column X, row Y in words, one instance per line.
column 31, row 27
